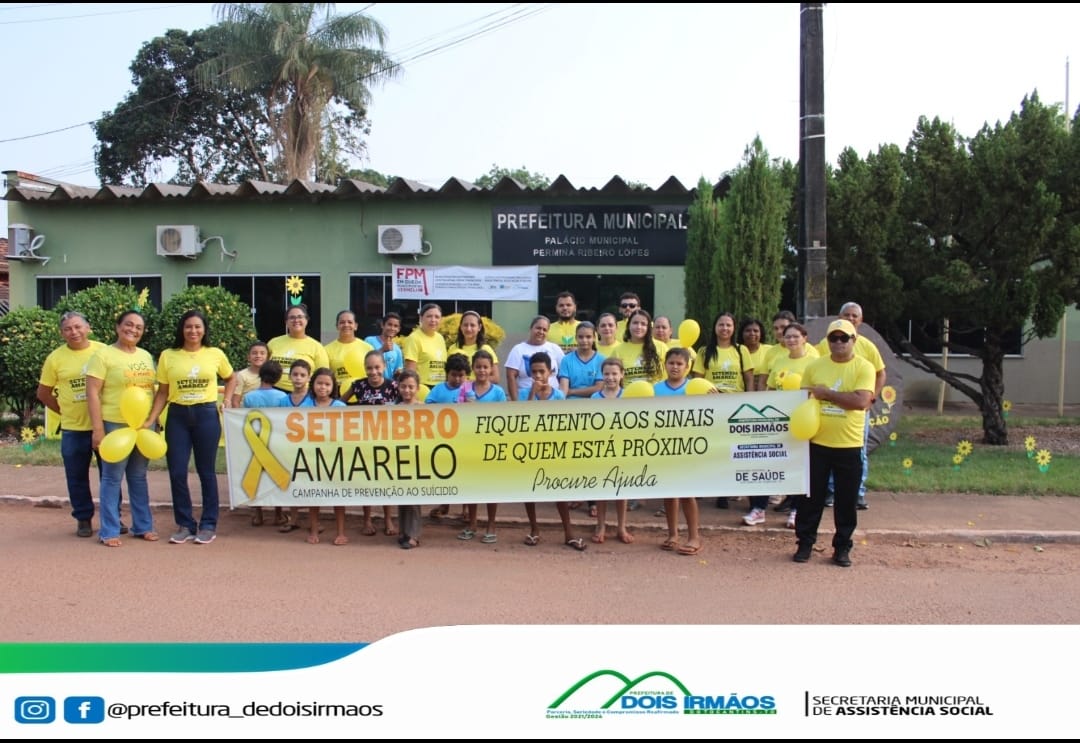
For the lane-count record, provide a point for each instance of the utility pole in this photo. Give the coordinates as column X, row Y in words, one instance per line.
column 811, row 286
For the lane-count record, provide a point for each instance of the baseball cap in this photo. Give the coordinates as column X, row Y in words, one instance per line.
column 840, row 326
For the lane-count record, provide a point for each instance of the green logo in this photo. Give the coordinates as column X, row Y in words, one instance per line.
column 628, row 686
column 747, row 413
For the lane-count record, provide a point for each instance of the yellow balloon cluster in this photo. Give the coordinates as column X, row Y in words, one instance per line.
column 134, row 407
column 791, row 381
column 805, row 419
column 699, row 386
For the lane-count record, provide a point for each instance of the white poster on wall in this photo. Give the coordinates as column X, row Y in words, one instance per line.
column 495, row 283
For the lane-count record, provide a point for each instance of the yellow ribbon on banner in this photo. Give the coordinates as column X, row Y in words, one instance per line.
column 262, row 459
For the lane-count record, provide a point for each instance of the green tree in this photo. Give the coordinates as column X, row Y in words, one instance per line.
column 27, row 336
column 747, row 267
column 102, row 306
column 217, row 135
column 521, row 175
column 300, row 58
column 373, row 177
column 702, row 238
column 230, row 320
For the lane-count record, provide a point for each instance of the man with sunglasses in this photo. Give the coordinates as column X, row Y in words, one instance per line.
column 628, row 302
column 843, row 384
column 865, row 348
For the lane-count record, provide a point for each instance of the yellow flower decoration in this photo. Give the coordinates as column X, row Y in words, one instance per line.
column 1043, row 457
column 40, row 430
column 907, row 463
column 964, row 448
column 28, row 435
column 1029, row 443
column 1006, row 405
column 888, row 394
column 957, row 459
column 294, row 285
column 892, row 436
column 144, row 297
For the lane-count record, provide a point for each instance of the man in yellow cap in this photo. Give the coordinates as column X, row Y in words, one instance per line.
column 843, row 384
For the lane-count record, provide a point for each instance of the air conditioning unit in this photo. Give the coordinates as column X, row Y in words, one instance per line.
column 178, row 240
column 400, row 239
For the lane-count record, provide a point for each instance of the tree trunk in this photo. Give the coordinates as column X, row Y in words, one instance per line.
column 992, row 383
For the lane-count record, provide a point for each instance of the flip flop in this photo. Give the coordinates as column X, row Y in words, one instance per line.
column 599, row 538
column 489, row 539
column 688, row 549
column 340, row 539
column 577, row 543
column 466, row 534
column 532, row 539
column 669, row 545
column 148, row 536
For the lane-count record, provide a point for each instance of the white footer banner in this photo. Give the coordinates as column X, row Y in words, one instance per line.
column 551, row 681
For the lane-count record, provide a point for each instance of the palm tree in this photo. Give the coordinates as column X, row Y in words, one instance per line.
column 303, row 59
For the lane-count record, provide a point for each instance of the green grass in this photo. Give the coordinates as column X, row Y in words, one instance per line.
column 988, row 470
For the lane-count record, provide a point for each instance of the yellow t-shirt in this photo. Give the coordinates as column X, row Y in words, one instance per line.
column 786, row 364
column 724, row 370
column 246, row 381
column 468, row 351
column 193, row 376
column 429, row 353
column 840, row 428
column 285, row 350
column 65, row 371
column 564, row 334
column 864, row 347
column 606, row 351
column 757, row 358
column 780, row 351
column 336, row 352
column 118, row 369
column 634, row 365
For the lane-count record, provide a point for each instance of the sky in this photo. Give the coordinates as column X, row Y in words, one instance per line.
column 643, row 91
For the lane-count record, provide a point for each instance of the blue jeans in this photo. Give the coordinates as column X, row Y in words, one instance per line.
column 198, row 428
column 77, row 449
column 134, row 467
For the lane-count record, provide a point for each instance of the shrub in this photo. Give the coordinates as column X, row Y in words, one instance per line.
column 103, row 304
column 27, row 336
column 231, row 327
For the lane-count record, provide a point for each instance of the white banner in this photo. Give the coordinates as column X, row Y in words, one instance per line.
column 497, row 283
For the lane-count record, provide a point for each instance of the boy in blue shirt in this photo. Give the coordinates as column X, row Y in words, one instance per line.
column 456, row 387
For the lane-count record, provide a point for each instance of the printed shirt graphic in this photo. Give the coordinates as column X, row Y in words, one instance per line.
column 365, row 394
column 840, row 429
column 787, row 365
column 724, row 370
column 193, row 377
column 336, row 351
column 634, row 365
column 285, row 350
column 429, row 353
column 564, row 334
column 65, row 371
column 118, row 369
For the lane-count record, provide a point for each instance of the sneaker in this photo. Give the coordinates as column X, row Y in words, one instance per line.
column 722, row 503
column 755, row 517
column 862, row 505
column 182, row 535
column 803, row 553
column 85, row 529
column 205, row 536
column 842, row 558
column 790, row 520
column 828, row 501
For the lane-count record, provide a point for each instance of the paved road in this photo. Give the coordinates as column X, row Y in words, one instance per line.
column 930, row 559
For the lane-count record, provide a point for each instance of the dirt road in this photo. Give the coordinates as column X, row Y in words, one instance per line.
column 254, row 584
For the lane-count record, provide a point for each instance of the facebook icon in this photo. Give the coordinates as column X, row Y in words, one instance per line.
column 84, row 710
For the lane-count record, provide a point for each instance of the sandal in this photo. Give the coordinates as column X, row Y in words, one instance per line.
column 532, row 539
column 368, row 530
column 340, row 539
column 466, row 534
column 669, row 545
column 114, row 542
column 285, row 525
column 577, row 543
column 599, row 538
column 688, row 549
column 489, row 539
column 148, row 536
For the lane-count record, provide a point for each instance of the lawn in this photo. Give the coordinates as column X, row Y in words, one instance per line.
column 928, row 441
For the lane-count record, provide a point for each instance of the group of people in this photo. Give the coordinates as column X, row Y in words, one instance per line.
column 83, row 381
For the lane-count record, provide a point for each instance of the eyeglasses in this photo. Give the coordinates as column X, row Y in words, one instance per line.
column 840, row 338
column 628, row 306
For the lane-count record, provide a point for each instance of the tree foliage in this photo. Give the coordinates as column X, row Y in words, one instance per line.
column 216, row 135
column 27, row 336
column 521, row 175
column 102, row 306
column 702, row 239
column 301, row 59
column 230, row 320
column 747, row 267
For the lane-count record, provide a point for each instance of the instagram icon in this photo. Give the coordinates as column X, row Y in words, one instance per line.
column 35, row 710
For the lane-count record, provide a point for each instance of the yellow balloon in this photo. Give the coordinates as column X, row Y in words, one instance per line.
column 791, row 381
column 354, row 361
column 116, row 446
column 422, row 392
column 699, row 386
column 806, row 419
column 689, row 332
column 134, row 406
column 150, row 443
column 640, row 388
